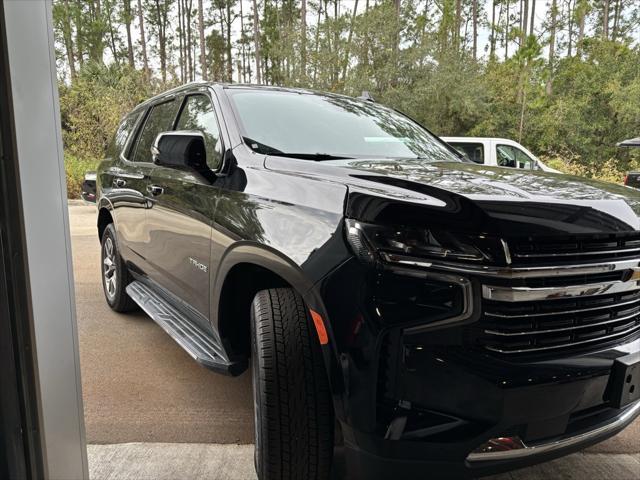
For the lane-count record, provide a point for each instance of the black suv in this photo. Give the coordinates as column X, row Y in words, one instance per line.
column 427, row 315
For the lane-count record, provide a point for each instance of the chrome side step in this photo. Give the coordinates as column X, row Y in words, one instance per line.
column 202, row 346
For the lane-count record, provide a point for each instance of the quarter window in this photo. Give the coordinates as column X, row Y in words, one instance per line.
column 513, row 157
column 160, row 119
column 198, row 114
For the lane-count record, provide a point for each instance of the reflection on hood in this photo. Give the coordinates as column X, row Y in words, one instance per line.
column 481, row 182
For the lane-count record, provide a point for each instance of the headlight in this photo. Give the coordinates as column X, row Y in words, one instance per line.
column 397, row 244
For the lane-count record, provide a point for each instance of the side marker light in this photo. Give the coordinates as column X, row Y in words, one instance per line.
column 320, row 328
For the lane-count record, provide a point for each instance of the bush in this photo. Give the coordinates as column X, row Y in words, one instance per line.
column 611, row 170
column 91, row 108
column 75, row 168
column 94, row 104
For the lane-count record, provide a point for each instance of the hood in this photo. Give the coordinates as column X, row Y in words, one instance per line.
column 470, row 196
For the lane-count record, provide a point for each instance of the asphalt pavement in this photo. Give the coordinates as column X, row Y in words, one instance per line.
column 139, row 386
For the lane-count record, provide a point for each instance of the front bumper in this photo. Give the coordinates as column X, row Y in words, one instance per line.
column 452, row 405
column 422, row 394
column 558, row 446
column 375, row 465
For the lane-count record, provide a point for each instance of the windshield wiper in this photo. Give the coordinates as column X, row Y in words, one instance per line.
column 313, row 156
column 267, row 150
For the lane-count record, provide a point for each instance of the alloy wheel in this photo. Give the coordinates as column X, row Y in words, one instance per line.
column 109, row 267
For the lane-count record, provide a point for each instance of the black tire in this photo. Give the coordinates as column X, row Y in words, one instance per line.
column 293, row 409
column 115, row 275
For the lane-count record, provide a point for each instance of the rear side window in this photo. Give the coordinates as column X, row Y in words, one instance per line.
column 119, row 141
column 160, row 119
column 198, row 114
column 473, row 151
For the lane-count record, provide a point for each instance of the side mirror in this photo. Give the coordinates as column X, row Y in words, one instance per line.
column 181, row 148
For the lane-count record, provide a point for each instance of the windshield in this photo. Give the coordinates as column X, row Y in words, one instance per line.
column 324, row 126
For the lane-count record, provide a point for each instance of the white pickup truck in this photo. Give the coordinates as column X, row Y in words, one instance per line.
column 498, row 152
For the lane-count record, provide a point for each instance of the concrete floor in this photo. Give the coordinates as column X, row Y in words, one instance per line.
column 158, row 461
column 140, row 386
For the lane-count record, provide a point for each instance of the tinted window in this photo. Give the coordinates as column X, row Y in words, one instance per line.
column 122, row 134
column 160, row 119
column 307, row 123
column 198, row 114
column 473, row 151
column 513, row 157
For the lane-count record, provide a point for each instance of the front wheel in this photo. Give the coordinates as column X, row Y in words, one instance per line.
column 293, row 411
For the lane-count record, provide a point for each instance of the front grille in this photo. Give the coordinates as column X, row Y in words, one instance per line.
column 555, row 325
column 560, row 294
column 583, row 248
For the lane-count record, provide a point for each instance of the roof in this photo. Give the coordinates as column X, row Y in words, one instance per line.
column 632, row 142
column 248, row 86
column 169, row 93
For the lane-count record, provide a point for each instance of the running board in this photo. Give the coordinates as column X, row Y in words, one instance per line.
column 202, row 346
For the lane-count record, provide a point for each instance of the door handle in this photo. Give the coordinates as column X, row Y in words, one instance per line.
column 155, row 190
column 119, row 183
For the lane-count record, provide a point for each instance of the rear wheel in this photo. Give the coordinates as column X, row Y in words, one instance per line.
column 115, row 275
column 293, row 411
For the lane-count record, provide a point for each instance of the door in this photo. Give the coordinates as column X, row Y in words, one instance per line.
column 180, row 218
column 130, row 179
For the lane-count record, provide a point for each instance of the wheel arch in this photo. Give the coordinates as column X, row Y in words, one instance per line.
column 247, row 269
column 105, row 216
column 244, row 270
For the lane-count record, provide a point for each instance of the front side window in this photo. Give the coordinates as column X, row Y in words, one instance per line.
column 473, row 151
column 198, row 114
column 315, row 125
column 160, row 119
column 513, row 157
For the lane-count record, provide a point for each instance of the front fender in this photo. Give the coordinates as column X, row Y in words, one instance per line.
column 252, row 253
column 262, row 256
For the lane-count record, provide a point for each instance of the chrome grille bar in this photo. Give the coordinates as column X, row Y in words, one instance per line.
column 574, row 254
column 525, row 294
column 518, row 272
